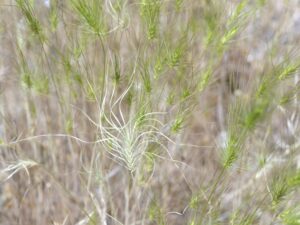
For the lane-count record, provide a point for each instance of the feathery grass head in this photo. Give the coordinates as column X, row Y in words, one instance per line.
column 178, row 123
column 279, row 189
column 155, row 214
column 288, row 69
column 150, row 11
column 177, row 52
column 232, row 150
column 283, row 184
column 205, row 78
column 291, row 216
column 91, row 13
column 236, row 135
column 178, row 4
column 234, row 25
column 128, row 134
column 35, row 26
column 53, row 16
column 14, row 168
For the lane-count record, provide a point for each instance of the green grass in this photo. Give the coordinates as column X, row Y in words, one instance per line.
column 148, row 112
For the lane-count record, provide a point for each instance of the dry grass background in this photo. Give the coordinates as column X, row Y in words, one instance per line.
column 53, row 87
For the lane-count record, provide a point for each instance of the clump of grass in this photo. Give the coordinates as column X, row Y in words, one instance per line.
column 180, row 66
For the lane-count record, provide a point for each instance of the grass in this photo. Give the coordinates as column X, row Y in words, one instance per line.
column 149, row 112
